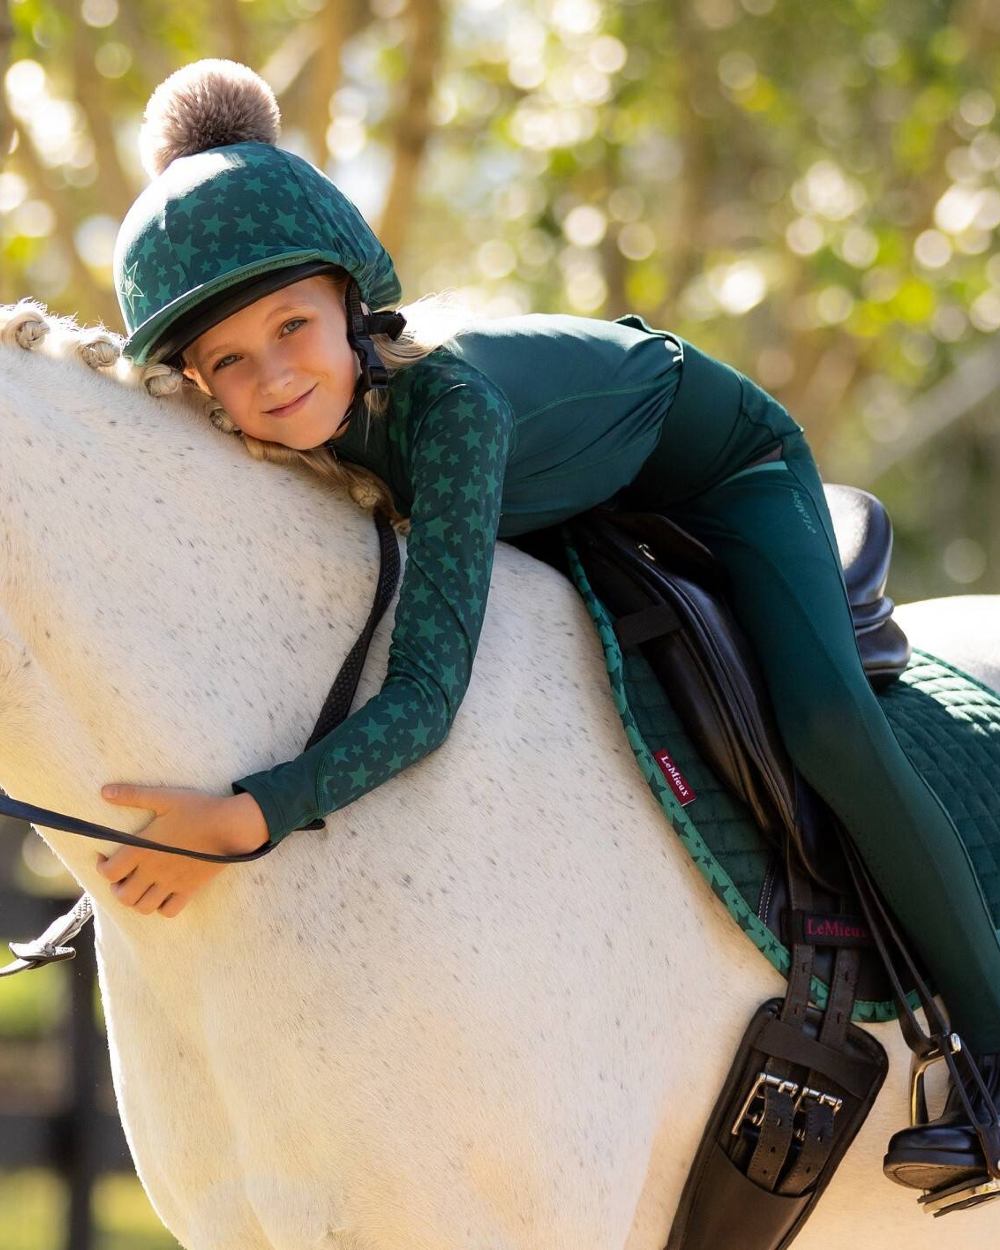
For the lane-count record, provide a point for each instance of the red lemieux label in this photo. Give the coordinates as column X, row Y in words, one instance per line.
column 675, row 777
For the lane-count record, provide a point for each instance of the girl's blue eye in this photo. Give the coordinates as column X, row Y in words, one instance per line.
column 222, row 359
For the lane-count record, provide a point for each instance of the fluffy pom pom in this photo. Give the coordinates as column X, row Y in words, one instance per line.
column 207, row 104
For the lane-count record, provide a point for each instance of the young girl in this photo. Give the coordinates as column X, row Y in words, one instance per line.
column 241, row 264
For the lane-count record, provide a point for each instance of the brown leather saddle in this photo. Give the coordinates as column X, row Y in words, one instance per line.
column 667, row 595
column 705, row 662
column 803, row 1079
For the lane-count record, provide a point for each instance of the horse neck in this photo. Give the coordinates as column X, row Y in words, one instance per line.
column 171, row 612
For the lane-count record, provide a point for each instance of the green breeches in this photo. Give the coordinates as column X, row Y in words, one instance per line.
column 770, row 527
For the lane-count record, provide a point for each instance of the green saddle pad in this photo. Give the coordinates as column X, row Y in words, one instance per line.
column 947, row 722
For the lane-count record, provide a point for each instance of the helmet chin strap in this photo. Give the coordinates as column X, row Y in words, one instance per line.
column 360, row 327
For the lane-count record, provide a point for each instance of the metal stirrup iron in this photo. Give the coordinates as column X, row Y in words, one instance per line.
column 941, row 1043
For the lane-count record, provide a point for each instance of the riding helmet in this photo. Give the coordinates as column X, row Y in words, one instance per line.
column 229, row 217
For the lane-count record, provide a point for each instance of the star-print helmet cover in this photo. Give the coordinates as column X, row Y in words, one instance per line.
column 226, row 212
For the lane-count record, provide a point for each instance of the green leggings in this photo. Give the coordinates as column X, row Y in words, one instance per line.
column 770, row 527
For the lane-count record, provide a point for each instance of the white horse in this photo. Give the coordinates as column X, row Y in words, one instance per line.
column 491, row 1004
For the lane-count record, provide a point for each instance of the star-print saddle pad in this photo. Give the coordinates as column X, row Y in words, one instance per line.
column 947, row 722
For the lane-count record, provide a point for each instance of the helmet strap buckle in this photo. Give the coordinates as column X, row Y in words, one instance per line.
column 360, row 327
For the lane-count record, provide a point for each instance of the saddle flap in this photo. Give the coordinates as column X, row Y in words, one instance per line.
column 707, row 666
column 709, row 670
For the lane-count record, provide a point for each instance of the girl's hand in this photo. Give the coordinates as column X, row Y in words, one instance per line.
column 155, row 881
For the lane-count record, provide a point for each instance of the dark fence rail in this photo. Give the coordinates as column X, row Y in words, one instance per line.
column 81, row 1137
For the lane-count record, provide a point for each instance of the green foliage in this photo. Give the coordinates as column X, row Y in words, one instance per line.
column 810, row 148
column 32, row 1211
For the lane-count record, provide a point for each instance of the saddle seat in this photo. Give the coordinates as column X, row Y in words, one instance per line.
column 864, row 541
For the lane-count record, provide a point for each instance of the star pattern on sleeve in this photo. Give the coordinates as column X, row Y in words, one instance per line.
column 458, row 448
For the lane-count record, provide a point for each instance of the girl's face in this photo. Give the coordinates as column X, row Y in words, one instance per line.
column 286, row 345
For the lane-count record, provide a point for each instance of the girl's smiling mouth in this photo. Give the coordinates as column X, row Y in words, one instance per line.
column 294, row 406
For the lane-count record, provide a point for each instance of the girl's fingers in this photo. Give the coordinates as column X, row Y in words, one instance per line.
column 133, row 796
column 129, row 891
column 174, row 904
column 118, row 865
column 154, row 898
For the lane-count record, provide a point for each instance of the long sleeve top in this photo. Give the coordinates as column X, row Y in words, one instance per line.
column 513, row 425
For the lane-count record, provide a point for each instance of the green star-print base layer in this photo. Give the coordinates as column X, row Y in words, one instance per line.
column 447, row 440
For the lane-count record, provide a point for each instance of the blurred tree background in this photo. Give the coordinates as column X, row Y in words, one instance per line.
column 809, row 191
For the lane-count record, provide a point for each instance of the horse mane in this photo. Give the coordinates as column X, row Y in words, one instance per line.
column 30, row 325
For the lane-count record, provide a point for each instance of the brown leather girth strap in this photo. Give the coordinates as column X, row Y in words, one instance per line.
column 796, row 1131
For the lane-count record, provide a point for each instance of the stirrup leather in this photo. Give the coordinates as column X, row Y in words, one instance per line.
column 940, row 1043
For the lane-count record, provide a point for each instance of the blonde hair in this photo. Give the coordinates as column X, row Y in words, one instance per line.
column 431, row 321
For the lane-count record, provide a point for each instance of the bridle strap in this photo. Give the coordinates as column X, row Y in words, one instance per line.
column 335, row 709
